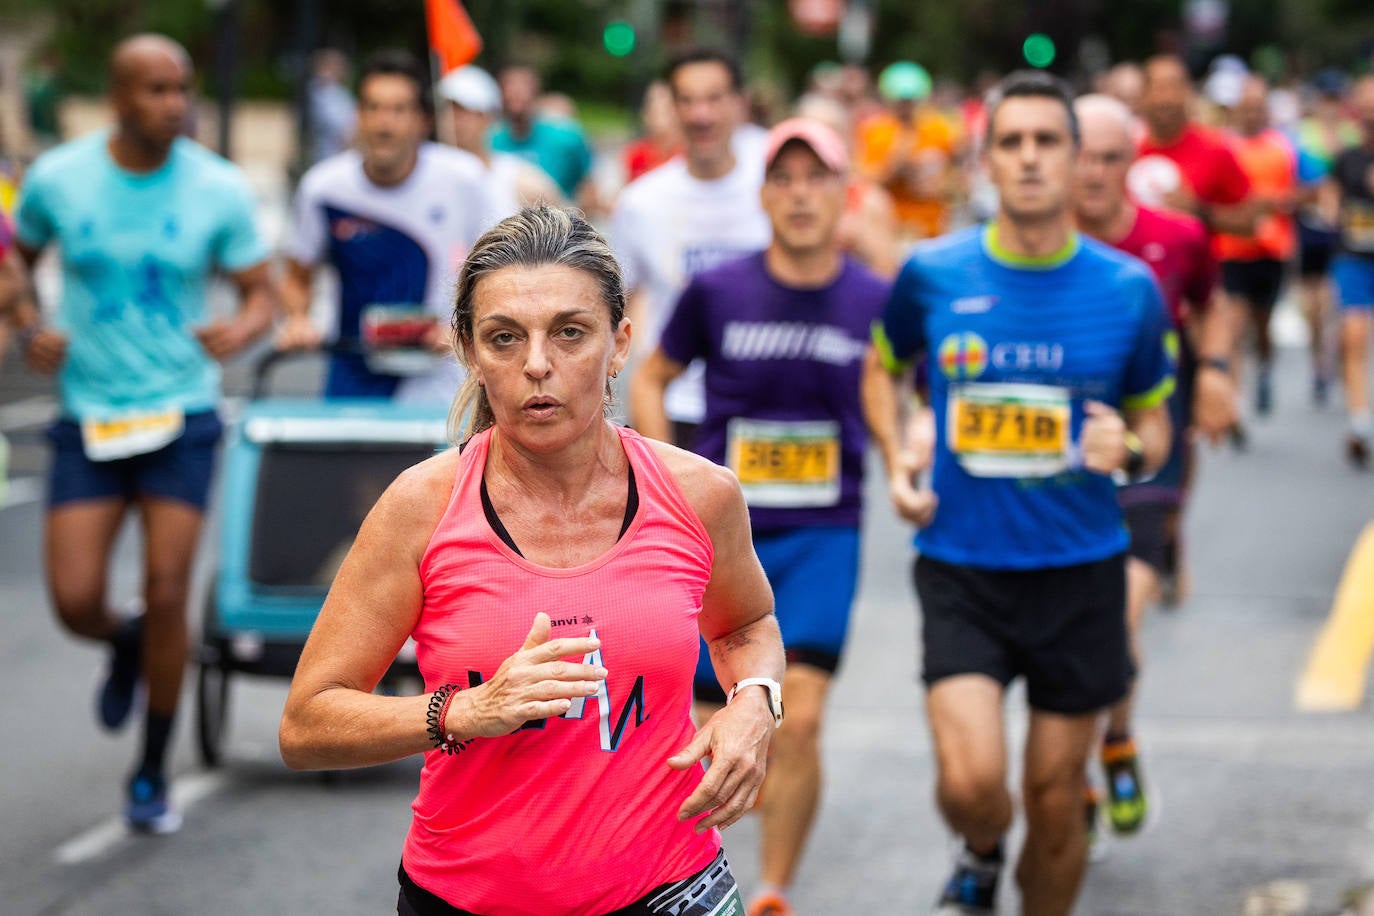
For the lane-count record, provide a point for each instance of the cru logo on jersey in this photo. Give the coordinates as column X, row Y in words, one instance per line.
column 1021, row 357
column 963, row 356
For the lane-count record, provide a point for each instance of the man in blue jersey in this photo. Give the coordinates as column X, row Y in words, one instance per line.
column 1048, row 375
column 143, row 217
column 394, row 218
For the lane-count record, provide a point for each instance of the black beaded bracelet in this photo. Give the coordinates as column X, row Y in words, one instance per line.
column 438, row 706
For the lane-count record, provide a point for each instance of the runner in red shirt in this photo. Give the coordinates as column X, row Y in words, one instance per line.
column 1176, row 249
column 1182, row 165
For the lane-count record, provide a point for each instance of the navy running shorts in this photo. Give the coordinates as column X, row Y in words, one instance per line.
column 180, row 470
column 1062, row 629
column 1354, row 276
column 814, row 572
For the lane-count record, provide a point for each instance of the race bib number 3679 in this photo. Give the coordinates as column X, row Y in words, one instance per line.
column 783, row 464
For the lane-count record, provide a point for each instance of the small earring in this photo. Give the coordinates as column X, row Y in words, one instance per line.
column 481, row 384
column 615, row 373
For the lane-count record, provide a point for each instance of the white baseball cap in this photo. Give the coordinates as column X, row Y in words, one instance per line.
column 471, row 87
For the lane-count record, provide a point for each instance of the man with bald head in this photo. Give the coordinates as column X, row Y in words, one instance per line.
column 1182, row 166
column 1175, row 247
column 143, row 216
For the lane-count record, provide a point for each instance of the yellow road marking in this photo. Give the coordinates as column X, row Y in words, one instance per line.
column 1336, row 670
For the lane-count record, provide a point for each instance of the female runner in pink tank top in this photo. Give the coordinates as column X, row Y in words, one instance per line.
column 554, row 573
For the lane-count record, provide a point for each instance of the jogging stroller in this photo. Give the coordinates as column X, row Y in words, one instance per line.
column 300, row 475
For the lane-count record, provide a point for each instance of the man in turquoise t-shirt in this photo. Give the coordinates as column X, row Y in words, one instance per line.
column 556, row 147
column 1048, row 375
column 142, row 216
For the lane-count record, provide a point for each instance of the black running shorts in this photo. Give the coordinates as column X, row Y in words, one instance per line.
column 1259, row 282
column 1153, row 527
column 1062, row 629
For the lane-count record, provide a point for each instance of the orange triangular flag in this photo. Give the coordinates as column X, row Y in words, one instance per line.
column 452, row 36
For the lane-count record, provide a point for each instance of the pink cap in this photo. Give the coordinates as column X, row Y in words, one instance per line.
column 823, row 140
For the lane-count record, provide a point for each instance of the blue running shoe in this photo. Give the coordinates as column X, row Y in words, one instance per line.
column 148, row 810
column 116, row 697
column 972, row 888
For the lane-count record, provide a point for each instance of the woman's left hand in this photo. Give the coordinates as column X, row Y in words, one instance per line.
column 736, row 739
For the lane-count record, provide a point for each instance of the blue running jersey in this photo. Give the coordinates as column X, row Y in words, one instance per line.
column 1015, row 348
column 137, row 250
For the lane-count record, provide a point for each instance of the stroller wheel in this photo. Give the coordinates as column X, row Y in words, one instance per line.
column 212, row 711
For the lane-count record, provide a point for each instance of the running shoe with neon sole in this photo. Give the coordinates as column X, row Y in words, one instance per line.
column 1127, row 805
column 972, row 887
column 1092, row 811
column 770, row 905
column 148, row 809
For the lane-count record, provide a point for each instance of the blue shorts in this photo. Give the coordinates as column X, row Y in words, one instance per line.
column 179, row 471
column 814, row 572
column 1354, row 278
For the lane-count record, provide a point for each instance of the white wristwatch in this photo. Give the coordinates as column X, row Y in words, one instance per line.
column 774, row 695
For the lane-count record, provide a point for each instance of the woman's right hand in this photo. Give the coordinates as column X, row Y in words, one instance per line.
column 534, row 683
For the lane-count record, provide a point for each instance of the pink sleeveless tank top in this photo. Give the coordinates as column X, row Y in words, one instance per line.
column 576, row 814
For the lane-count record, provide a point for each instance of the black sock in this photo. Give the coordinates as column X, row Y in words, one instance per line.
column 157, row 734
column 127, row 643
column 127, row 636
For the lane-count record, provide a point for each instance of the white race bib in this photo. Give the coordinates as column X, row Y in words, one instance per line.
column 785, row 464
column 1009, row 430
column 129, row 434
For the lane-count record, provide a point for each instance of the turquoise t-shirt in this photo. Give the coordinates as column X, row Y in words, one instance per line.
column 556, row 147
column 137, row 252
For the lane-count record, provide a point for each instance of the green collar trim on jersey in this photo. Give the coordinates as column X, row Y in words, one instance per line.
column 1054, row 259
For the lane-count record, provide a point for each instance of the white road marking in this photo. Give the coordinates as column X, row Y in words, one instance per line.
column 35, row 411
column 187, row 791
column 22, row 490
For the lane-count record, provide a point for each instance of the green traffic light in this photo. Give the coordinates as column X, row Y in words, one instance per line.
column 619, row 38
column 1039, row 50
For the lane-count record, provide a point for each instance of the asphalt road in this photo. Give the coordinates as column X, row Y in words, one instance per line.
column 1259, row 801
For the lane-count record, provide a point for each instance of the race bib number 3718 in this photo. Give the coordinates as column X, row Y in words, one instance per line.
column 1009, row 430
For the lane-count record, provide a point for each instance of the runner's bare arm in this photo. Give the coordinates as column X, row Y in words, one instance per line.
column 297, row 331
column 1155, row 430
column 13, row 285
column 647, row 389
column 46, row 348
column 882, row 393
column 333, row 720
column 1214, row 391
column 257, row 306
column 742, row 634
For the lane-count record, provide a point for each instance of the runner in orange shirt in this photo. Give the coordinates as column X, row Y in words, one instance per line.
column 911, row 150
column 1252, row 266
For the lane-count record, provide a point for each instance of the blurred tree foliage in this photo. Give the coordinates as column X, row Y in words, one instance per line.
column 563, row 37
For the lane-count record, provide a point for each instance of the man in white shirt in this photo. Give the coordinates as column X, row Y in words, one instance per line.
column 394, row 218
column 689, row 214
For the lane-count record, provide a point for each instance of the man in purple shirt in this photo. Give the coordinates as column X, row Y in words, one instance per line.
column 782, row 333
